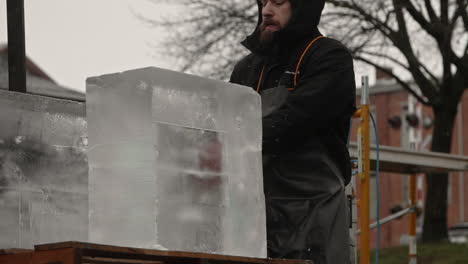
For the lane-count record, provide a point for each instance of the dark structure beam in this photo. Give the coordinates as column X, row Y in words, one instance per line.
column 398, row 160
column 16, row 46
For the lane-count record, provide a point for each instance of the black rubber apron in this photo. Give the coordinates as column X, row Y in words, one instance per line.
column 306, row 207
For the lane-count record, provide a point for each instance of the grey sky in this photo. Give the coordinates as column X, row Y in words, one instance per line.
column 71, row 40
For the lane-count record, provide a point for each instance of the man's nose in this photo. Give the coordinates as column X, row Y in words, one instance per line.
column 267, row 10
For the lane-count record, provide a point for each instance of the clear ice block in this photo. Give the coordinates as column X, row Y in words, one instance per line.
column 175, row 162
column 43, row 171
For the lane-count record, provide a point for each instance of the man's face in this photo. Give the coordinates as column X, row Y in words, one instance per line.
column 275, row 15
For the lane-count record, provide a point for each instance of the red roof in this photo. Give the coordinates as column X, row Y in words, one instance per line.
column 31, row 67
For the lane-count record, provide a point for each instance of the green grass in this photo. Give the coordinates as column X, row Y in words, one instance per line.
column 427, row 254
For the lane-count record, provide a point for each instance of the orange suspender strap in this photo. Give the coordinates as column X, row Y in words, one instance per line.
column 296, row 73
column 260, row 79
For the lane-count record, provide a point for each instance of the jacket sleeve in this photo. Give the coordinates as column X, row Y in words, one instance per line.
column 238, row 73
column 325, row 93
column 235, row 78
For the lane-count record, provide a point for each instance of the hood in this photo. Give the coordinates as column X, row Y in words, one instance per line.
column 304, row 21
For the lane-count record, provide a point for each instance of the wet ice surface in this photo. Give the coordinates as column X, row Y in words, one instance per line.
column 43, row 171
column 175, row 162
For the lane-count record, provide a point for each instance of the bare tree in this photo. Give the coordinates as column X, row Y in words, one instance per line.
column 205, row 39
column 425, row 42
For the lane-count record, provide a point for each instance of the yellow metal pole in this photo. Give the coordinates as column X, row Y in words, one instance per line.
column 412, row 225
column 365, row 174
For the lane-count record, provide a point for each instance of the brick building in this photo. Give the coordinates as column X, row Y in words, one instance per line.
column 389, row 104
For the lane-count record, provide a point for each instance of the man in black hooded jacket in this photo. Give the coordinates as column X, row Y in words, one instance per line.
column 308, row 97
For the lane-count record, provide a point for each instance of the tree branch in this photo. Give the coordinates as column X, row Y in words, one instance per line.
column 404, row 45
column 401, row 64
column 387, row 57
column 404, row 84
column 416, row 15
column 462, row 10
column 430, row 10
column 444, row 16
column 379, row 25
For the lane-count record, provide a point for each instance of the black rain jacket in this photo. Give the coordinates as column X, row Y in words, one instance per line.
column 305, row 129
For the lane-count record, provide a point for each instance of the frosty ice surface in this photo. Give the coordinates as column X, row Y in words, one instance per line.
column 175, row 162
column 43, row 171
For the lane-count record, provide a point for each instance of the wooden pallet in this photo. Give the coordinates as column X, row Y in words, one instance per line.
column 86, row 253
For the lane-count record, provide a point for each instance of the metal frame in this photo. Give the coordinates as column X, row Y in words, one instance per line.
column 394, row 160
column 17, row 81
column 363, row 154
column 398, row 160
column 16, row 46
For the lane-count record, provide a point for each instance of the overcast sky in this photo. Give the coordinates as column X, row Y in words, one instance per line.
column 71, row 40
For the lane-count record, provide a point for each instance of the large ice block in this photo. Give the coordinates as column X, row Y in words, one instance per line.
column 175, row 162
column 43, row 170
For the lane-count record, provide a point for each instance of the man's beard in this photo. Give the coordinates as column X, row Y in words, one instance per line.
column 267, row 36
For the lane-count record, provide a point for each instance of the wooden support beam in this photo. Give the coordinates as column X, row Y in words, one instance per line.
column 87, row 253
